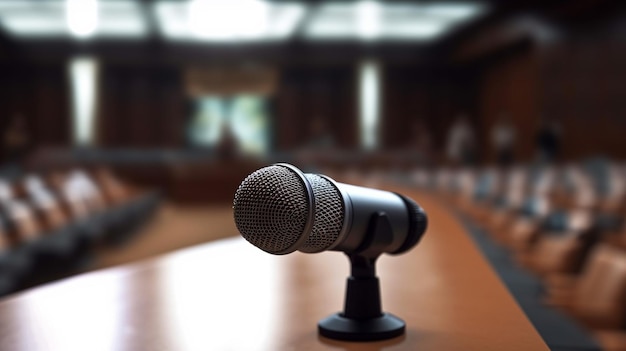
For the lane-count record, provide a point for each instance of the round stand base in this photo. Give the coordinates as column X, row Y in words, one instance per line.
column 338, row 327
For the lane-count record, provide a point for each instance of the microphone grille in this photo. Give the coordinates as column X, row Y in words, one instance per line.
column 271, row 209
column 329, row 215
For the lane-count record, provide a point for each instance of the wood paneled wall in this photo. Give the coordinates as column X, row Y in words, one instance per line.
column 576, row 81
column 40, row 94
column 141, row 107
column 510, row 87
column 583, row 89
column 434, row 95
column 314, row 92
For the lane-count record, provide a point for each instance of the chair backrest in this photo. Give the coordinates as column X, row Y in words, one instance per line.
column 522, row 234
column 21, row 219
column 6, row 191
column 579, row 220
column 544, row 182
column 87, row 189
column 69, row 195
column 467, row 181
column 45, row 202
column 52, row 213
column 112, row 188
column 600, row 295
column 558, row 254
column 33, row 183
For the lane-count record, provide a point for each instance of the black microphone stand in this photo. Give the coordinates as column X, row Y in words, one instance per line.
column 362, row 318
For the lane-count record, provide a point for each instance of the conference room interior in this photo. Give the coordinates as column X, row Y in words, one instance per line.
column 127, row 126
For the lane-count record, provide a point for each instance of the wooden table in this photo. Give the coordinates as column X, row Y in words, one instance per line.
column 229, row 295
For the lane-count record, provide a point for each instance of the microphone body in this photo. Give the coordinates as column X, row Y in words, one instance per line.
column 361, row 204
column 280, row 210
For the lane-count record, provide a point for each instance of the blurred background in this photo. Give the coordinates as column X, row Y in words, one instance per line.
column 191, row 79
column 127, row 125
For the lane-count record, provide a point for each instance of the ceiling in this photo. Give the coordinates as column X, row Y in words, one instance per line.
column 235, row 21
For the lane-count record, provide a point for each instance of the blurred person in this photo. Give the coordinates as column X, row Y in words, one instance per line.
column 503, row 140
column 548, row 141
column 461, row 142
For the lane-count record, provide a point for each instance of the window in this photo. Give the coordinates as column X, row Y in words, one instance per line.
column 245, row 116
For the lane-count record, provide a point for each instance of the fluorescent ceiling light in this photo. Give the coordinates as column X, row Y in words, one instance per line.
column 416, row 30
column 228, row 21
column 33, row 18
column 333, row 20
column 122, row 19
column 35, row 26
column 251, row 18
column 235, row 20
column 84, row 78
column 45, row 19
column 172, row 19
column 285, row 20
column 81, row 17
column 367, row 20
column 369, row 103
column 454, row 10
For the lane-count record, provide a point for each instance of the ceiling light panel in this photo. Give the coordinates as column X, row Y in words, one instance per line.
column 245, row 20
column 122, row 19
column 33, row 18
column 455, row 10
column 228, row 21
column 374, row 20
column 47, row 19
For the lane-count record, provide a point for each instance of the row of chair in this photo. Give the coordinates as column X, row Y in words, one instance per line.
column 50, row 224
column 564, row 224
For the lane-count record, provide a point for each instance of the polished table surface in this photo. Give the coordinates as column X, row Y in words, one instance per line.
column 229, row 295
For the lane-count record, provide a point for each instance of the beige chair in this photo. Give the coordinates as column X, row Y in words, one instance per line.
column 553, row 254
column 597, row 298
column 86, row 188
column 45, row 203
column 69, row 198
column 6, row 191
column 561, row 253
column 22, row 219
column 113, row 189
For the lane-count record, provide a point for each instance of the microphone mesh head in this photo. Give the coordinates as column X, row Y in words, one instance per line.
column 271, row 209
column 329, row 215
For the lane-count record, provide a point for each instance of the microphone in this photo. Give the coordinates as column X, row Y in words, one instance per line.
column 280, row 210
